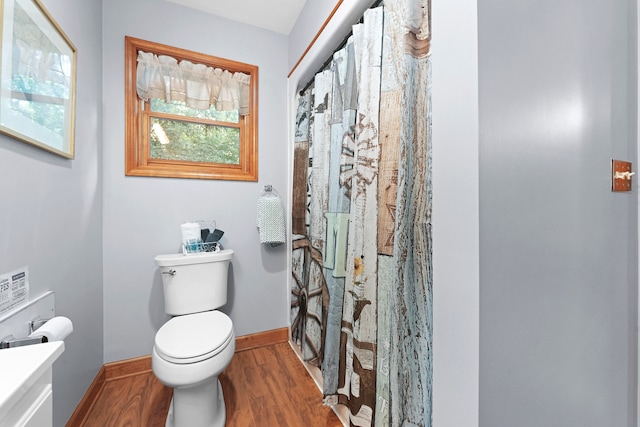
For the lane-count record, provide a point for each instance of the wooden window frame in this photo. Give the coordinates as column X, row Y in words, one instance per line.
column 138, row 161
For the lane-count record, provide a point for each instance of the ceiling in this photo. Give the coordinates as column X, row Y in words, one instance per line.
column 274, row 15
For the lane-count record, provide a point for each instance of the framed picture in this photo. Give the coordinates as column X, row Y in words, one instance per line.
column 38, row 78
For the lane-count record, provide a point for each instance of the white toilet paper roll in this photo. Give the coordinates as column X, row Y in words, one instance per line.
column 190, row 232
column 56, row 329
column 191, row 238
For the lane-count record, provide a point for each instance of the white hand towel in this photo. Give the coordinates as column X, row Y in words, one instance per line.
column 271, row 223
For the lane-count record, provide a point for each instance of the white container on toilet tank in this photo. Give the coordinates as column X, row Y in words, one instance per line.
column 194, row 283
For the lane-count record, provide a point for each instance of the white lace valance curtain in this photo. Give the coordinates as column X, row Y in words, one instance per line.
column 198, row 86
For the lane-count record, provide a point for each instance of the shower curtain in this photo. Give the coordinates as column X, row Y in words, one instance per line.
column 361, row 306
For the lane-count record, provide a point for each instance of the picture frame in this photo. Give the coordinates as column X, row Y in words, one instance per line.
column 37, row 78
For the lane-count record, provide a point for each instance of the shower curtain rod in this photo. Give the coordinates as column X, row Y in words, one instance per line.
column 342, row 44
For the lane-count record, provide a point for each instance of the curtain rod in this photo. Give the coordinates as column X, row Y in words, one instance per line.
column 340, row 46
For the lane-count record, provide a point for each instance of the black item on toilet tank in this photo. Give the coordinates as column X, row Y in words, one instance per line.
column 214, row 236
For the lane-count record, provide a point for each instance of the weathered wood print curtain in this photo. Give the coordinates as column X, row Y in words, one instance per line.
column 362, row 273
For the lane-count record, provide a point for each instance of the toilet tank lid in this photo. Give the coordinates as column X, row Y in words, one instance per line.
column 199, row 258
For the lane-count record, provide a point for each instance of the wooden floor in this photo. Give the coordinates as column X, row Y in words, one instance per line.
column 263, row 387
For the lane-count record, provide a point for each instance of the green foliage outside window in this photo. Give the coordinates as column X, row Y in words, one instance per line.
column 194, row 142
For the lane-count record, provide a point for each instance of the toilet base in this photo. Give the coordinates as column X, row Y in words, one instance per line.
column 199, row 406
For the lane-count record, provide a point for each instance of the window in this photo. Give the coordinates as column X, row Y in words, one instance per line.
column 189, row 115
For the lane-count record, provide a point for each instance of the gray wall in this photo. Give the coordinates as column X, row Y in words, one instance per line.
column 313, row 15
column 142, row 216
column 51, row 216
column 558, row 249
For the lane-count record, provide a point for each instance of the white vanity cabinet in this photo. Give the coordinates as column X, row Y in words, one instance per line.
column 25, row 384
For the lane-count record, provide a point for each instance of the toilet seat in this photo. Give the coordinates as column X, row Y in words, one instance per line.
column 194, row 337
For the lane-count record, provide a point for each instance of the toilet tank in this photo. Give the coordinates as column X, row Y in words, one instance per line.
column 194, row 283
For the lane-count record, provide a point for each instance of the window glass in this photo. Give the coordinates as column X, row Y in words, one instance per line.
column 194, row 142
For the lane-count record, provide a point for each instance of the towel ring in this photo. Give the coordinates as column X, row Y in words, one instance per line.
column 269, row 191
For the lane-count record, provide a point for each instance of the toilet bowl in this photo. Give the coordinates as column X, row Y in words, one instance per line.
column 198, row 343
column 190, row 352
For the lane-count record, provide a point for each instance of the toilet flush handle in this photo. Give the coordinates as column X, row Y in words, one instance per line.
column 171, row 272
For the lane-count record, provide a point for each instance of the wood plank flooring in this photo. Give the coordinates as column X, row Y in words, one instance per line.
column 263, row 387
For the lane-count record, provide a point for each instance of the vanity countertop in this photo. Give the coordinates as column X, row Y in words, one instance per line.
column 20, row 367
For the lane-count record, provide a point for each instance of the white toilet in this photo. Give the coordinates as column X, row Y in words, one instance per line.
column 197, row 344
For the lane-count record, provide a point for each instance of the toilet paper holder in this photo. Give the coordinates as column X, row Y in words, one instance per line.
column 10, row 341
column 35, row 324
